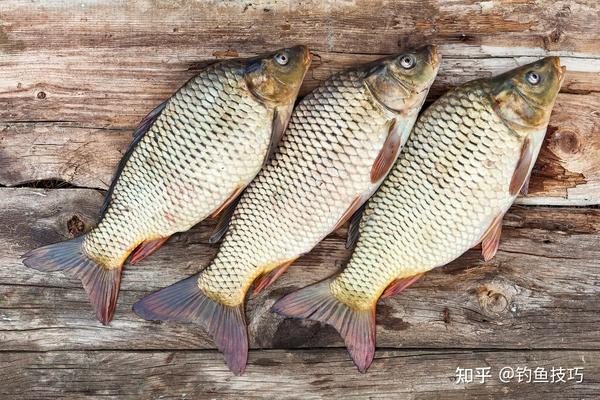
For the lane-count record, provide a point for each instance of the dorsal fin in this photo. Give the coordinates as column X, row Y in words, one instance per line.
column 354, row 227
column 138, row 134
column 224, row 221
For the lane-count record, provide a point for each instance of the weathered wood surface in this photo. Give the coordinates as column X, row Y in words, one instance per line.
column 312, row 374
column 77, row 76
column 541, row 290
column 567, row 172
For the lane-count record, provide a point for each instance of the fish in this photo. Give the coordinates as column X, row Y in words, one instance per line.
column 470, row 154
column 341, row 141
column 190, row 157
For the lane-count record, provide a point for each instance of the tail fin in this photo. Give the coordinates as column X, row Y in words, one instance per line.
column 185, row 302
column 357, row 327
column 100, row 283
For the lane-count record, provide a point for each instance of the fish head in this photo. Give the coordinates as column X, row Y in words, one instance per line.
column 401, row 82
column 523, row 97
column 275, row 78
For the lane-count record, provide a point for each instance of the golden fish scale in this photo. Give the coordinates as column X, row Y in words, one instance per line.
column 210, row 139
column 451, row 180
column 322, row 163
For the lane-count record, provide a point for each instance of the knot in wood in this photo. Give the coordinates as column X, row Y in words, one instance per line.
column 565, row 141
column 491, row 300
column 75, row 226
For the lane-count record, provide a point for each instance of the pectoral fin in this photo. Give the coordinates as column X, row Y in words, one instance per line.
column 523, row 169
column 281, row 117
column 525, row 188
column 388, row 154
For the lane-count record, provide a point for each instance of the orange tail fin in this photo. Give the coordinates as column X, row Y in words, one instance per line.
column 357, row 327
column 100, row 283
column 185, row 302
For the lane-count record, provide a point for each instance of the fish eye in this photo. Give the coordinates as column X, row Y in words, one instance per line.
column 533, row 77
column 407, row 62
column 281, row 59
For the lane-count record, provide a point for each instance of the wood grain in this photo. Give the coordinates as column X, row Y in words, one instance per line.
column 567, row 171
column 539, row 292
column 309, row 374
column 77, row 76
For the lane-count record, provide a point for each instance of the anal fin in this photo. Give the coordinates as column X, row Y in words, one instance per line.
column 266, row 280
column 146, row 248
column 399, row 285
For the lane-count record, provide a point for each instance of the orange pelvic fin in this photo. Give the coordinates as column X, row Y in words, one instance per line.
column 266, row 280
column 146, row 248
column 399, row 285
column 227, row 202
column 491, row 239
column 357, row 327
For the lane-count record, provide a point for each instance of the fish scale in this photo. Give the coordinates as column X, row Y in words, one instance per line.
column 438, row 200
column 469, row 155
column 167, row 173
column 298, row 197
column 341, row 140
column 190, row 157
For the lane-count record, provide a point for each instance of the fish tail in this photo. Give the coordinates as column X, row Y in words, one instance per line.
column 100, row 283
column 317, row 302
column 184, row 301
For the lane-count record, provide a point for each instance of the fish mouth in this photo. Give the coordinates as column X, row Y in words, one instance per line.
column 560, row 69
column 307, row 56
column 434, row 55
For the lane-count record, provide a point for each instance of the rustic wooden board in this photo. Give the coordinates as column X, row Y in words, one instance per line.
column 77, row 76
column 86, row 58
column 567, row 172
column 310, row 374
column 541, row 291
column 77, row 72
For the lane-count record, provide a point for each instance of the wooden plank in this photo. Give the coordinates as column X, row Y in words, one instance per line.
column 309, row 374
column 77, row 72
column 83, row 61
column 539, row 292
column 567, row 172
